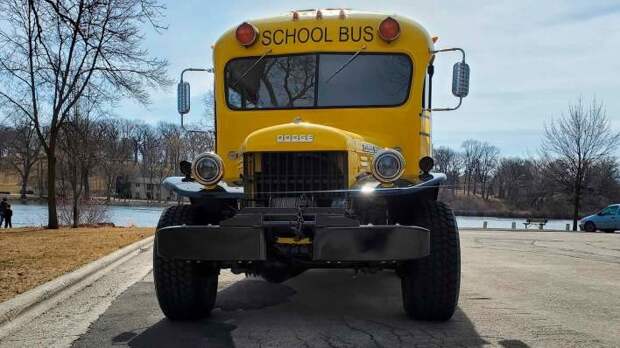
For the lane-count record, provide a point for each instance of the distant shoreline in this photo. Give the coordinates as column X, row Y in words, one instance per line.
column 164, row 204
column 112, row 203
column 508, row 214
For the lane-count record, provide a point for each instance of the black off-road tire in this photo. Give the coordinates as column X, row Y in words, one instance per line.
column 589, row 226
column 186, row 290
column 430, row 285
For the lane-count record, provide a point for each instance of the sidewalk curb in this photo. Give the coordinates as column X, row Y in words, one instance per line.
column 20, row 304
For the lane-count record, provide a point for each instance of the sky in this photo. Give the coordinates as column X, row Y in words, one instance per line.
column 529, row 60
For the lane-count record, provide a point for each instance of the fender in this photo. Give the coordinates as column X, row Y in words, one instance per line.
column 193, row 189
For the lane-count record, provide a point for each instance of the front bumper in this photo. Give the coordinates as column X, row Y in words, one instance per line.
column 222, row 190
column 334, row 237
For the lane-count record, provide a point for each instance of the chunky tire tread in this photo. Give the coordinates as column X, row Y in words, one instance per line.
column 185, row 290
column 430, row 286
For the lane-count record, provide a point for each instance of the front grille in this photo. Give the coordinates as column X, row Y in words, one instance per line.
column 282, row 173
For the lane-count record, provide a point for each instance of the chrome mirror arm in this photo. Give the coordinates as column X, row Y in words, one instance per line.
column 448, row 109
column 451, row 50
column 208, row 70
column 455, row 49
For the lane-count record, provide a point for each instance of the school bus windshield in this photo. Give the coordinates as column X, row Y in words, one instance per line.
column 314, row 81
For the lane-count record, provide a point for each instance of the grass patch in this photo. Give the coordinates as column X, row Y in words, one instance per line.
column 32, row 256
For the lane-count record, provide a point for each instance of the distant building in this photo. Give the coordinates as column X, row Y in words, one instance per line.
column 147, row 189
column 130, row 186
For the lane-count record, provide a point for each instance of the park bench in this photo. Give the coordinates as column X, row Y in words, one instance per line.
column 535, row 221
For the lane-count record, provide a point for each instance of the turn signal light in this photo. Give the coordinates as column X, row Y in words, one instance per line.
column 246, row 34
column 389, row 29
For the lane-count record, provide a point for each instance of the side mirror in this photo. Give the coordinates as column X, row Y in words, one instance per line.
column 183, row 97
column 460, row 80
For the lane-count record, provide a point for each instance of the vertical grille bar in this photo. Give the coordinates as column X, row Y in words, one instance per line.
column 282, row 172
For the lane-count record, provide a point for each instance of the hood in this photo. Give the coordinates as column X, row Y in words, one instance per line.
column 300, row 136
column 586, row 218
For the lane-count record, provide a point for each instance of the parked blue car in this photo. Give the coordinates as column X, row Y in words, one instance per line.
column 606, row 220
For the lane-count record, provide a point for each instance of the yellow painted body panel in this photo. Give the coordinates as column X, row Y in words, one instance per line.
column 342, row 129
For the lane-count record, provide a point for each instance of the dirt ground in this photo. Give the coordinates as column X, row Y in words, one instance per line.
column 32, row 256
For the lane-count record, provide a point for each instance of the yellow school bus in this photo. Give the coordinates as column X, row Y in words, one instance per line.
column 322, row 160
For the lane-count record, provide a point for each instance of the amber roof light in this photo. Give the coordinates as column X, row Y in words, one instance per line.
column 389, row 29
column 246, row 34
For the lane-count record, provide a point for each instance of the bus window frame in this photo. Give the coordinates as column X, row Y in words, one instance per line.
column 410, row 84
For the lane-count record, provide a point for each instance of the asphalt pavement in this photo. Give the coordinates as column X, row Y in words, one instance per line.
column 519, row 289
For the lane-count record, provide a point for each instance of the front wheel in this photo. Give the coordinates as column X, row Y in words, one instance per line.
column 430, row 285
column 185, row 290
column 590, row 227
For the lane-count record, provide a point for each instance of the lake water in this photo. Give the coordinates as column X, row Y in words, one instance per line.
column 32, row 214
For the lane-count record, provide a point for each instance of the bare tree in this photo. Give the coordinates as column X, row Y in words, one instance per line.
column 81, row 140
column 152, row 159
column 196, row 143
column 487, row 163
column 208, row 101
column 472, row 152
column 172, row 146
column 51, row 52
column 576, row 142
column 22, row 151
column 448, row 162
column 116, row 153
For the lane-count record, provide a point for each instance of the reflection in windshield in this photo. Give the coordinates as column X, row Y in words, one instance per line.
column 291, row 81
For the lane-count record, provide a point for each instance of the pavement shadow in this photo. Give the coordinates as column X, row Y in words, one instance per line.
column 316, row 309
column 195, row 334
column 250, row 294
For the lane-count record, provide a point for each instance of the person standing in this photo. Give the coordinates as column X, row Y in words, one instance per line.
column 8, row 214
column 3, row 206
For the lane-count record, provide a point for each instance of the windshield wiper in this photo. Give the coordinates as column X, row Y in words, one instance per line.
column 245, row 73
column 345, row 64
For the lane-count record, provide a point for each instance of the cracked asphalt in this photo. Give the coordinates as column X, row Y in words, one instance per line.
column 519, row 289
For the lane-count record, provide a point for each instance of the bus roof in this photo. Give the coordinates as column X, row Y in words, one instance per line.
column 326, row 30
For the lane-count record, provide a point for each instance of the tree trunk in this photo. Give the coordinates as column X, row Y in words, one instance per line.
column 576, row 199
column 85, row 183
column 108, row 190
column 52, row 215
column 24, row 186
column 76, row 211
column 466, row 184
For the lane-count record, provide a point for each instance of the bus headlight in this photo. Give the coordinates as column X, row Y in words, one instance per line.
column 388, row 165
column 208, row 168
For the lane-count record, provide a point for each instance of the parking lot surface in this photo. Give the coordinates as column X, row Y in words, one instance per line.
column 519, row 289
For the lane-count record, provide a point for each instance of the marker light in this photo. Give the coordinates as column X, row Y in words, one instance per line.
column 186, row 168
column 388, row 165
column 389, row 29
column 426, row 164
column 208, row 168
column 246, row 34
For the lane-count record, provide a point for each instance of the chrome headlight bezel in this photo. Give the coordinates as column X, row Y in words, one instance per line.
column 387, row 153
column 217, row 160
